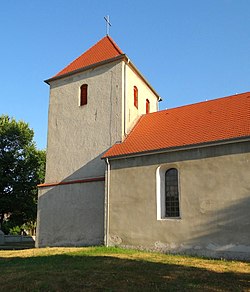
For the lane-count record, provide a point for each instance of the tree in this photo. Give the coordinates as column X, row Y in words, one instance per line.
column 22, row 167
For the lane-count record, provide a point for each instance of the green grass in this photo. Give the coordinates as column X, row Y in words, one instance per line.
column 115, row 269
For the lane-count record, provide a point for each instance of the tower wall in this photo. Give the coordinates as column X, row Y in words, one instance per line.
column 71, row 215
column 71, row 203
column 144, row 92
column 78, row 135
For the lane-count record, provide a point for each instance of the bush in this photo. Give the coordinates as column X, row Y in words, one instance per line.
column 16, row 230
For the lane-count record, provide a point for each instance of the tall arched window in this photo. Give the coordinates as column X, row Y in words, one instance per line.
column 147, row 106
column 172, row 208
column 135, row 96
column 83, row 94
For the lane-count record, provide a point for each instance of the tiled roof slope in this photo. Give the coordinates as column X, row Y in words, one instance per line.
column 103, row 50
column 210, row 121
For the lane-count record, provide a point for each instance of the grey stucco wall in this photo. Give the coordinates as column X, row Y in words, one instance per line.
column 78, row 135
column 214, row 186
column 71, row 215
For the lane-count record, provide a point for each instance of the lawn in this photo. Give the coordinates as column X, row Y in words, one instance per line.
column 115, row 269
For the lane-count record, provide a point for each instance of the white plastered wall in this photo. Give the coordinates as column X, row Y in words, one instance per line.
column 144, row 92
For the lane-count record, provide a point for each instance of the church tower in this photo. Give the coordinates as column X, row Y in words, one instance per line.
column 94, row 103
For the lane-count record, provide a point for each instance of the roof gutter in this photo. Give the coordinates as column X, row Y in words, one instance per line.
column 117, row 58
column 107, row 191
column 180, row 148
column 125, row 97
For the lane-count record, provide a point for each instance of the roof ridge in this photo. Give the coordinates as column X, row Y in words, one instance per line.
column 114, row 45
column 205, row 101
column 88, row 51
column 59, row 73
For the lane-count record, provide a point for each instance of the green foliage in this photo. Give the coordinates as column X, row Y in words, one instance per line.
column 15, row 230
column 22, row 167
column 28, row 228
column 7, row 226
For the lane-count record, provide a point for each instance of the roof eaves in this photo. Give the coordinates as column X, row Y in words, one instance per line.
column 179, row 148
column 122, row 56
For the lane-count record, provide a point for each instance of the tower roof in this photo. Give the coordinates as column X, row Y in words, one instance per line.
column 215, row 121
column 105, row 49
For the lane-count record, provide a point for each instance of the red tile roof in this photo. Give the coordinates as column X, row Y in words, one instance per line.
column 205, row 122
column 103, row 50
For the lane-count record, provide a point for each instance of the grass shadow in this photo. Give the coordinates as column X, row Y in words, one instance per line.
column 108, row 273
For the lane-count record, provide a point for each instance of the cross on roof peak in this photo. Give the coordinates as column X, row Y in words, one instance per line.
column 108, row 24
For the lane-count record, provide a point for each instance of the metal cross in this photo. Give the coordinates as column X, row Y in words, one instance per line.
column 108, row 24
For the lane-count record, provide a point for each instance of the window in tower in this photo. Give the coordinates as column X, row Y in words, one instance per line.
column 83, row 94
column 136, row 97
column 147, row 106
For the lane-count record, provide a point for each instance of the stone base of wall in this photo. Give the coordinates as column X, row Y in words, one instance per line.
column 207, row 253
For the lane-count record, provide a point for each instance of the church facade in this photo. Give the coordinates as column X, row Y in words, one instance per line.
column 120, row 172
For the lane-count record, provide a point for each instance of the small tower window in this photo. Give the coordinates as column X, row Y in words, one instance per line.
column 147, row 106
column 83, row 94
column 135, row 96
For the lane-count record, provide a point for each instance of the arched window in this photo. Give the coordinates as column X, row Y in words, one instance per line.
column 83, row 94
column 172, row 208
column 147, row 106
column 135, row 96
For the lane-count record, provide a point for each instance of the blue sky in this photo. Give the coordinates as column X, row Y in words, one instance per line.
column 189, row 50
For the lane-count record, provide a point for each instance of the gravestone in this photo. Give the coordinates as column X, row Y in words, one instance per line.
column 2, row 241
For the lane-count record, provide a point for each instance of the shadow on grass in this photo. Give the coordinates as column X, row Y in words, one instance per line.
column 104, row 273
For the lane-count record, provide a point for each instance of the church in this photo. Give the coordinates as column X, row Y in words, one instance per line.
column 119, row 172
